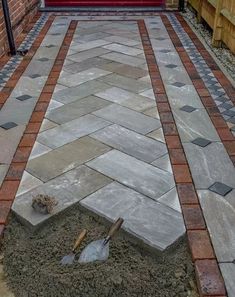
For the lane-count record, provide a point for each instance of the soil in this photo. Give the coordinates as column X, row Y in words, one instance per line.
column 32, row 263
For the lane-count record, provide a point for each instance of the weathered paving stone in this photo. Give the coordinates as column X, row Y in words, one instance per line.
column 128, row 118
column 46, row 124
column 3, row 171
column 228, row 272
column 72, row 130
column 76, row 79
column 194, row 124
column 129, row 142
column 69, row 112
column 94, row 52
column 29, row 86
column 125, row 70
column 127, row 50
column 68, row 189
column 163, row 163
column 72, row 94
column 126, row 98
column 220, row 217
column 28, row 182
column 210, row 164
column 88, row 45
column 126, row 83
column 152, row 112
column 140, row 176
column 86, row 64
column 171, row 199
column 125, row 59
column 157, row 134
column 155, row 224
column 65, row 158
column 38, row 150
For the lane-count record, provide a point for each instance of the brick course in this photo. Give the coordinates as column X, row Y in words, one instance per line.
column 21, row 11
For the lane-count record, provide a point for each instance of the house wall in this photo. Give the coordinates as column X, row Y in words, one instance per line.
column 22, row 11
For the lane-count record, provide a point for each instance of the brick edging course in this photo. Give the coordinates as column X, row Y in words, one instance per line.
column 209, row 278
column 13, row 177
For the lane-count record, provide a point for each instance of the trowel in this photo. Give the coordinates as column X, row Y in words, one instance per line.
column 68, row 259
column 99, row 250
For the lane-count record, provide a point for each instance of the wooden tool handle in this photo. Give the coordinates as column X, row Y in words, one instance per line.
column 115, row 227
column 79, row 240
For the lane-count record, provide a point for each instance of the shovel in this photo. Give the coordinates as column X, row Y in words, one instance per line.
column 99, row 249
column 68, row 259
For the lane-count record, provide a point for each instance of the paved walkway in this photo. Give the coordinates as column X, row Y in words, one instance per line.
column 104, row 143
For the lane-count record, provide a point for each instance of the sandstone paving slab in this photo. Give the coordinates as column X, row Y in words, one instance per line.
column 194, row 124
column 125, row 59
column 126, row 98
column 28, row 182
column 38, row 150
column 126, row 83
column 128, row 118
column 228, row 272
column 142, row 177
column 9, row 140
column 131, row 143
column 68, row 189
column 127, row 50
column 82, row 77
column 94, row 52
column 65, row 158
column 155, row 224
column 72, row 130
column 220, row 218
column 72, row 94
column 210, row 164
column 76, row 109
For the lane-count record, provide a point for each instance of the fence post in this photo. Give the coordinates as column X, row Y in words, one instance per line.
column 199, row 12
column 217, row 28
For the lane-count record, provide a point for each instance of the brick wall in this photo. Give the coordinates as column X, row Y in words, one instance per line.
column 21, row 12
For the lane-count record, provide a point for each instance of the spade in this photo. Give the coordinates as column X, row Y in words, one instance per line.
column 68, row 259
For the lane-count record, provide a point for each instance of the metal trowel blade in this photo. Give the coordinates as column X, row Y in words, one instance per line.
column 95, row 251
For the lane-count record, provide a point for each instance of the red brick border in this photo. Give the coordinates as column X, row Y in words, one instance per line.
column 12, row 180
column 209, row 279
column 10, row 85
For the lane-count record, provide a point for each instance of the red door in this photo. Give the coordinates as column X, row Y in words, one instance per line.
column 104, row 2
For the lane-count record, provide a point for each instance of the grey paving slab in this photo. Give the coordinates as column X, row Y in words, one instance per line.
column 152, row 112
column 149, row 94
column 38, row 150
column 126, row 98
column 86, row 64
column 76, row 109
column 173, row 73
column 140, row 176
column 29, row 86
column 163, row 163
column 46, row 52
column 155, row 224
column 46, row 124
column 128, row 118
column 82, row 77
column 72, row 130
column 171, row 199
column 210, row 164
column 68, row 189
column 9, row 141
column 3, row 171
column 131, row 143
column 127, row 50
column 95, row 52
column 125, row 59
column 125, row 70
column 126, row 83
column 37, row 67
column 28, row 182
column 228, row 272
column 194, row 124
column 72, row 94
column 122, row 40
column 88, row 45
column 65, row 158
column 220, row 217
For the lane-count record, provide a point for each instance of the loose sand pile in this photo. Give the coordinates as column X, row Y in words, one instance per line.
column 32, row 263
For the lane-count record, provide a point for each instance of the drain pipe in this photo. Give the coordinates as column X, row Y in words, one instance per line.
column 9, row 28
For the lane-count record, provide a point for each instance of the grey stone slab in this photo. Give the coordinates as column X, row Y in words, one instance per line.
column 45, row 52
column 84, row 65
column 201, row 142
column 140, row 176
column 171, row 199
column 89, row 45
column 149, row 94
column 38, row 150
column 29, row 86
column 68, row 189
column 125, row 70
column 172, row 75
column 127, row 50
column 76, row 79
column 46, row 124
column 152, row 112
column 3, row 171
column 37, row 67
column 128, row 118
column 220, row 188
column 72, row 130
column 194, row 125
column 8, row 125
column 69, row 112
column 126, row 98
column 72, row 94
column 155, row 224
column 125, row 59
column 95, row 52
column 163, row 163
column 9, row 141
column 228, row 272
column 65, row 158
column 93, row 36
column 131, row 143
column 220, row 218
column 28, row 182
column 125, row 83
column 122, row 40
column 209, row 165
